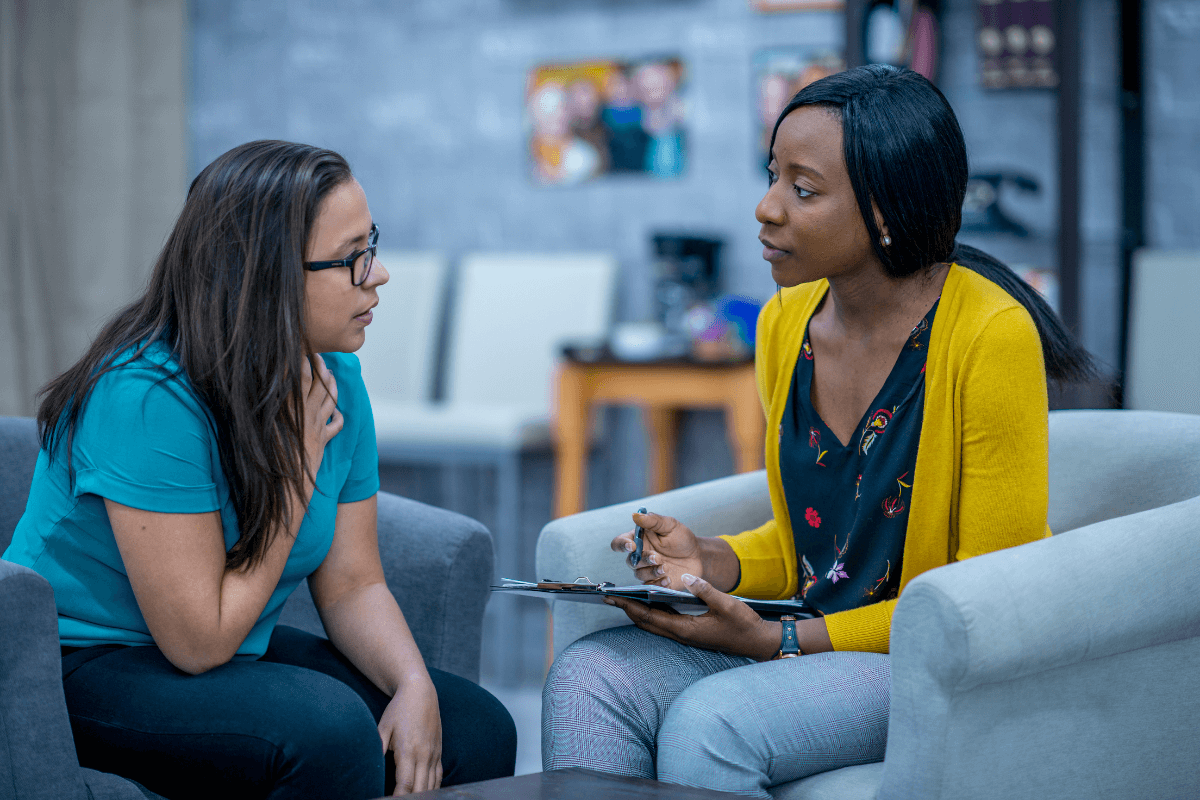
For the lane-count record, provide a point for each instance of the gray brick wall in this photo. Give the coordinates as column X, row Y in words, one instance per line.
column 425, row 99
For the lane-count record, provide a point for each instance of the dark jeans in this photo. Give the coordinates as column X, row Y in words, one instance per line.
column 299, row 722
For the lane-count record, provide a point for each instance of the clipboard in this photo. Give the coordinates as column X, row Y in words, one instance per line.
column 584, row 590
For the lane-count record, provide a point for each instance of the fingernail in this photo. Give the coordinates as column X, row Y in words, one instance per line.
column 629, row 547
column 652, row 559
column 608, row 601
column 688, row 578
column 659, row 571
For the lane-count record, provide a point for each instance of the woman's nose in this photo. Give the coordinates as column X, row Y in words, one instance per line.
column 768, row 210
column 379, row 274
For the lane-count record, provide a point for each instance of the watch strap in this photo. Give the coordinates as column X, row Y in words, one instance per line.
column 789, row 646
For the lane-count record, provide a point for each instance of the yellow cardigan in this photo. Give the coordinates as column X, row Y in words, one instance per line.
column 981, row 476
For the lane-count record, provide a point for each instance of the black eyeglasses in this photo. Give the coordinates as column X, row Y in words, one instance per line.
column 360, row 263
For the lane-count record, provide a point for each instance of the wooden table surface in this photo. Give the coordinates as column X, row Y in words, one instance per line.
column 660, row 389
column 573, row 784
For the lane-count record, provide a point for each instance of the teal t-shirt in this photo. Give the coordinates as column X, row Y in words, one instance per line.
column 150, row 443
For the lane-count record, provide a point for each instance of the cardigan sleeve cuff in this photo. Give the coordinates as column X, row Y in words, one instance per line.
column 866, row 629
column 760, row 561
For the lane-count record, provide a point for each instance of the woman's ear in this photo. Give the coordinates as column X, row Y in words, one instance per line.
column 885, row 238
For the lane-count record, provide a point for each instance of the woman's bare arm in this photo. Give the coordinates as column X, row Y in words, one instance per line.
column 366, row 625
column 198, row 612
column 357, row 608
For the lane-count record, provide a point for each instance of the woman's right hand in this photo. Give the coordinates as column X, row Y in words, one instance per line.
column 669, row 550
column 322, row 420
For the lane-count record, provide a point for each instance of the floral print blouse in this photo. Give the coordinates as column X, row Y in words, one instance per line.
column 848, row 503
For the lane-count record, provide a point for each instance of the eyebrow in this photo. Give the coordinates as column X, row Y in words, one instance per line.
column 805, row 168
column 795, row 167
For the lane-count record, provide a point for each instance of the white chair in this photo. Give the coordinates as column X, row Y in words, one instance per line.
column 399, row 358
column 510, row 314
column 1163, row 372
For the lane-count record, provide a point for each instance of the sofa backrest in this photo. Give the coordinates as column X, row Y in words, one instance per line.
column 18, row 455
column 1106, row 464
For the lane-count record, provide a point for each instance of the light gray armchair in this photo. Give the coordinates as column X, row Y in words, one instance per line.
column 437, row 563
column 1064, row 668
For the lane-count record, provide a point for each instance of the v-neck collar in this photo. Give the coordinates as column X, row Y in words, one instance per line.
column 877, row 403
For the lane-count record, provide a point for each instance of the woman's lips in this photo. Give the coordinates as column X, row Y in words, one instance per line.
column 773, row 253
column 365, row 317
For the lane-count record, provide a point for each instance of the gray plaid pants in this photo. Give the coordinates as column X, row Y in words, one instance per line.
column 629, row 702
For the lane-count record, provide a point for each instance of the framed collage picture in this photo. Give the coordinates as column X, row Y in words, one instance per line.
column 592, row 119
column 778, row 74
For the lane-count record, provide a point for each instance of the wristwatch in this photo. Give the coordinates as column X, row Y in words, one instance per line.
column 788, row 646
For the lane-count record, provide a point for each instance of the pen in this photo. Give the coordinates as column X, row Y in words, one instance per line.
column 638, row 533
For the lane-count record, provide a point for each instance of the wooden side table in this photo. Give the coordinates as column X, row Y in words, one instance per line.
column 661, row 389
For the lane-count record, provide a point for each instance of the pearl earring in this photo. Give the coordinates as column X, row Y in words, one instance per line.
column 887, row 240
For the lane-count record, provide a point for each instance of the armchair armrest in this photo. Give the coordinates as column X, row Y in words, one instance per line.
column 1041, row 664
column 578, row 545
column 438, row 564
column 37, row 751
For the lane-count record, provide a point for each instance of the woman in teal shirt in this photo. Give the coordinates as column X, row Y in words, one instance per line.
column 197, row 463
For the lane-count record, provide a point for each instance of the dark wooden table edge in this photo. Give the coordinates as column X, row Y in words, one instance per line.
column 573, row 784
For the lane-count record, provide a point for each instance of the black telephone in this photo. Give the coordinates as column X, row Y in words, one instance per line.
column 981, row 206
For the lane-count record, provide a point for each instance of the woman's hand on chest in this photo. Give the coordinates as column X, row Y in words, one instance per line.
column 322, row 419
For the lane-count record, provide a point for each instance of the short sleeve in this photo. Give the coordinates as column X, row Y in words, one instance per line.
column 363, row 479
column 145, row 441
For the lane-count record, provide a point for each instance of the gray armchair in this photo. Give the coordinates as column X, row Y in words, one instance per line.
column 1064, row 668
column 438, row 564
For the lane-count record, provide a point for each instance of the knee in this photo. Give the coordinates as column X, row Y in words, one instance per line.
column 714, row 727
column 592, row 667
column 479, row 738
column 331, row 740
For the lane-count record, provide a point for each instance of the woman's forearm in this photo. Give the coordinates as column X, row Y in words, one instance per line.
column 721, row 566
column 368, row 627
column 244, row 592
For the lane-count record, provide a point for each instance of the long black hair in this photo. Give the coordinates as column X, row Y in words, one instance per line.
column 906, row 157
column 226, row 298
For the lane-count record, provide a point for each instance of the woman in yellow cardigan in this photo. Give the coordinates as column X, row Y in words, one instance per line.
column 904, row 383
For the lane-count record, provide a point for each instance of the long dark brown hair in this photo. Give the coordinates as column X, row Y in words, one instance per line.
column 226, row 298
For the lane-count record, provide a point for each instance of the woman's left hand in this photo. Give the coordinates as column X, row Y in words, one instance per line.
column 411, row 727
column 730, row 626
